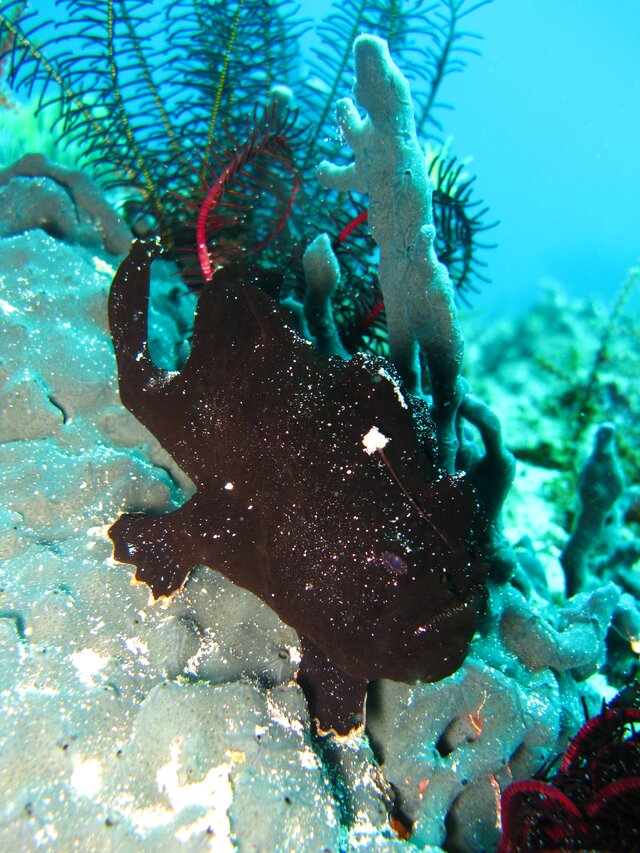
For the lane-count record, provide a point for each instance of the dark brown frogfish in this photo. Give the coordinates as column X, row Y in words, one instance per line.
column 314, row 491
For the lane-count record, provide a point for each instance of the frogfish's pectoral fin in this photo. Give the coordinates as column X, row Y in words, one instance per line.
column 163, row 548
column 336, row 700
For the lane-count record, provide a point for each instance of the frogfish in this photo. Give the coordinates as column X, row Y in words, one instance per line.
column 317, row 489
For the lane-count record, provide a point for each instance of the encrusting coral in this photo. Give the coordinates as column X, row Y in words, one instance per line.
column 63, row 202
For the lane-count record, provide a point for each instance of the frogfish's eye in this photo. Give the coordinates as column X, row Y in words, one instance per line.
column 393, row 563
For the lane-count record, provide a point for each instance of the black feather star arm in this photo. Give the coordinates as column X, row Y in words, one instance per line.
column 443, row 50
column 230, row 54
column 460, row 220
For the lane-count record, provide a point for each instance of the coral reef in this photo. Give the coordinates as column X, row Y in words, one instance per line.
column 81, row 646
column 449, row 748
column 127, row 725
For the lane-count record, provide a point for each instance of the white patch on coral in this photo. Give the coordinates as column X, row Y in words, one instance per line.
column 374, row 440
column 26, row 690
column 7, row 307
column 330, row 815
column 136, row 646
column 98, row 624
column 89, row 664
column 308, row 759
column 139, row 648
column 213, row 793
column 45, row 835
column 103, row 266
column 99, row 532
column 278, row 716
column 362, row 832
column 86, row 779
column 143, row 819
column 599, row 683
column 208, row 648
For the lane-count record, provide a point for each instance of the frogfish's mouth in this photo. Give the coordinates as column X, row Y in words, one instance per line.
column 473, row 602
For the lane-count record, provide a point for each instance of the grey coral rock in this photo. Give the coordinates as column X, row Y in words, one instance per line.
column 322, row 276
column 442, row 742
column 600, row 484
column 576, row 643
column 390, row 167
column 63, row 202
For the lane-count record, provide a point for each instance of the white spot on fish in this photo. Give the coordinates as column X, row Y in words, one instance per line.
column 374, row 440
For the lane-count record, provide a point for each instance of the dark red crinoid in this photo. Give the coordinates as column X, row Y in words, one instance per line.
column 593, row 801
column 247, row 196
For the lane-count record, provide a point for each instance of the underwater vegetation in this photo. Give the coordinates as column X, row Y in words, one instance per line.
column 161, row 103
column 359, row 497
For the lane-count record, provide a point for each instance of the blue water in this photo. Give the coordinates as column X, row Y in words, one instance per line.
column 551, row 114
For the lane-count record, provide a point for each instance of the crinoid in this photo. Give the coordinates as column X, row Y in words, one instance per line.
column 460, row 219
column 143, row 91
column 244, row 203
column 592, row 801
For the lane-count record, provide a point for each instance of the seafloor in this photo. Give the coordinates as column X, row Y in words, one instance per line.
column 126, row 726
